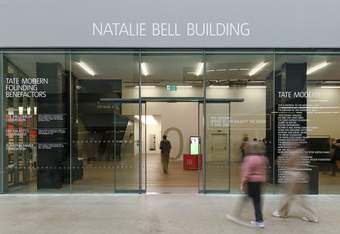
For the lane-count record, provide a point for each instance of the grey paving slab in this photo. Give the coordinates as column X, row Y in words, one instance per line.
column 167, row 213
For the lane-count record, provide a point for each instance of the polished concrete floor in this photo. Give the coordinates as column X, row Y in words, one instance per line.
column 165, row 213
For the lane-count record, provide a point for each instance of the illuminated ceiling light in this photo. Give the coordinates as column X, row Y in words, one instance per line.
column 317, row 67
column 35, row 110
column 21, row 110
column 28, row 110
column 146, row 86
column 86, row 68
column 147, row 120
column 330, row 87
column 255, row 86
column 184, row 86
column 257, row 68
column 256, row 81
column 332, row 81
column 144, row 69
column 219, row 86
column 199, row 69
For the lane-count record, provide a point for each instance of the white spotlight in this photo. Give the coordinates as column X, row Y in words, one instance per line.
column 257, row 68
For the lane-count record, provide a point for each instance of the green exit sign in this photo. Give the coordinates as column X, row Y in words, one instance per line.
column 171, row 88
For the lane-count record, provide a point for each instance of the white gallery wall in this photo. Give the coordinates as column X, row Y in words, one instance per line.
column 184, row 116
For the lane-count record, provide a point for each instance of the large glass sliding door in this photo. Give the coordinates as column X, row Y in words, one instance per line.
column 129, row 166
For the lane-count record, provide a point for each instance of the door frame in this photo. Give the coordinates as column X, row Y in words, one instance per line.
column 200, row 101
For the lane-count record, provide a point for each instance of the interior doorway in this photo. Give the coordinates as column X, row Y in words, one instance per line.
column 179, row 121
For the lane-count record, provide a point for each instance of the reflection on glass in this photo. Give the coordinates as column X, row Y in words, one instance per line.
column 105, row 131
column 316, row 76
column 36, row 122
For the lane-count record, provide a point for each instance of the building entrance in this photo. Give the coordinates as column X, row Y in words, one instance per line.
column 204, row 167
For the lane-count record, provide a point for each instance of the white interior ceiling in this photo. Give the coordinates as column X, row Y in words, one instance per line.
column 176, row 67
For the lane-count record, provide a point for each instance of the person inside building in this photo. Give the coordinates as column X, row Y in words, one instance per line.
column 165, row 147
column 243, row 146
column 333, row 157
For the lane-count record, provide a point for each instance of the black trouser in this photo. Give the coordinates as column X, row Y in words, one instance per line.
column 254, row 192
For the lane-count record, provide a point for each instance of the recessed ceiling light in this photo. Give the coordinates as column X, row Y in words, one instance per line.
column 317, row 67
column 86, row 68
column 219, row 86
column 255, row 86
column 257, row 68
column 146, row 86
column 184, row 86
column 330, row 87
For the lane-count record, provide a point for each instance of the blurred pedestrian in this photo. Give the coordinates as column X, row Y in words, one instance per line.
column 253, row 176
column 297, row 179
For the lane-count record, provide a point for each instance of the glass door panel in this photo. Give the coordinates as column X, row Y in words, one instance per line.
column 127, row 127
column 217, row 148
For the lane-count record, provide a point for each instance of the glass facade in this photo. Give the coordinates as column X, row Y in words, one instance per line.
column 90, row 121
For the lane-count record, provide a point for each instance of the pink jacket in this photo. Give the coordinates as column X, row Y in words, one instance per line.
column 254, row 169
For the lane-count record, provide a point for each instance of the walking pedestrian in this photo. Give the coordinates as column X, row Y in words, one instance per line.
column 165, row 147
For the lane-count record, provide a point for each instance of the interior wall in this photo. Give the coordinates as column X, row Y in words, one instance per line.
column 184, row 115
column 253, row 108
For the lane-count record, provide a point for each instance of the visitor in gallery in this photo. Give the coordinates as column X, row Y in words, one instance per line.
column 165, row 147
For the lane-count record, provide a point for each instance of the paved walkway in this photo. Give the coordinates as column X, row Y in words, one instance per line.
column 149, row 214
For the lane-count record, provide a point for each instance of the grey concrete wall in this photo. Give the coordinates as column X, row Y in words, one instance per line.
column 62, row 23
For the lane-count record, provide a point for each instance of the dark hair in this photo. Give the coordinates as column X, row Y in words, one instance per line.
column 164, row 137
column 337, row 141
